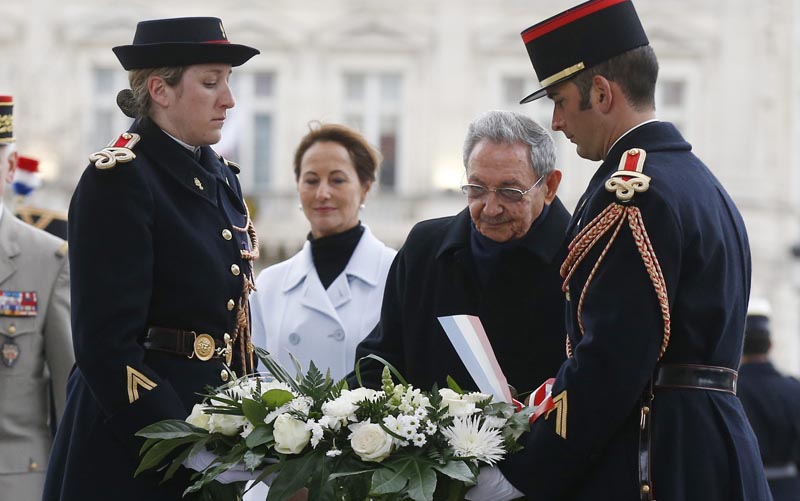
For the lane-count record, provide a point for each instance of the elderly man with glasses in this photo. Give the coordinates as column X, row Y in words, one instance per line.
column 498, row 259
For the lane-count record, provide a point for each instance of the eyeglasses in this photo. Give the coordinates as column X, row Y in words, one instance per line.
column 478, row 192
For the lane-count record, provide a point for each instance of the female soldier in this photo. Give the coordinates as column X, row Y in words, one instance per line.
column 161, row 246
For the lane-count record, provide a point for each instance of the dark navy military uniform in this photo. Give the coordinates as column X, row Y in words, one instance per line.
column 772, row 403
column 153, row 242
column 701, row 445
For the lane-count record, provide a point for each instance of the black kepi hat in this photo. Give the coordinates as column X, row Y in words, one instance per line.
column 181, row 41
column 580, row 38
column 6, row 119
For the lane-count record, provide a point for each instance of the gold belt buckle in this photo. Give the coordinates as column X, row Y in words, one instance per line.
column 203, row 347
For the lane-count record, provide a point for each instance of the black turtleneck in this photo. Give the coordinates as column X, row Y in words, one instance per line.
column 332, row 253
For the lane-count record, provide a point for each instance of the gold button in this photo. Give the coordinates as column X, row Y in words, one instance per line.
column 633, row 152
column 235, row 269
column 223, row 375
column 33, row 466
column 645, row 488
column 198, row 184
column 231, row 304
column 126, row 135
column 226, row 234
column 12, row 329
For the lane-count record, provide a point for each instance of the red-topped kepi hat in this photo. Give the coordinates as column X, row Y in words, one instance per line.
column 181, row 42
column 6, row 119
column 580, row 38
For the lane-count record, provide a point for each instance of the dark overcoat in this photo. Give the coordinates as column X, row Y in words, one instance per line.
column 772, row 404
column 149, row 246
column 703, row 448
column 433, row 275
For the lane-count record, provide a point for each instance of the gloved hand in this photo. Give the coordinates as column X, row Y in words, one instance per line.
column 203, row 459
column 493, row 485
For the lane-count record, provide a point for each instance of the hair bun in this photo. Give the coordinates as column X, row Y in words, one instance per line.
column 126, row 102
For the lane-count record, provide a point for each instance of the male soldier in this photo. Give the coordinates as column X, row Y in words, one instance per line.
column 26, row 180
column 657, row 281
column 772, row 403
column 35, row 339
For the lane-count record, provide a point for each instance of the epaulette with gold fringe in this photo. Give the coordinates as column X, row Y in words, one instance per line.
column 625, row 182
column 118, row 151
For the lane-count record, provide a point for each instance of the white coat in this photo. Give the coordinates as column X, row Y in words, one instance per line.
column 292, row 312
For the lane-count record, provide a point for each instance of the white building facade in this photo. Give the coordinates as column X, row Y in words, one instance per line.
column 411, row 75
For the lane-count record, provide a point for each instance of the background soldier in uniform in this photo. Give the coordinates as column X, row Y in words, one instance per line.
column 162, row 246
column 772, row 403
column 657, row 282
column 35, row 341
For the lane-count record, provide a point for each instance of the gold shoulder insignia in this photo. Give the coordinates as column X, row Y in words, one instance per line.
column 560, row 408
column 117, row 151
column 233, row 165
column 137, row 380
column 629, row 178
column 63, row 250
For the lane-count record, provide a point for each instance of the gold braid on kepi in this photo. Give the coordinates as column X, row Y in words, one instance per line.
column 625, row 182
column 242, row 332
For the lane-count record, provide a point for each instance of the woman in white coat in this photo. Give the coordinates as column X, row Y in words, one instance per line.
column 319, row 304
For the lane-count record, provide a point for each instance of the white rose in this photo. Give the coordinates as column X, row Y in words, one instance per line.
column 456, row 407
column 227, row 424
column 291, row 435
column 275, row 385
column 198, row 417
column 370, row 442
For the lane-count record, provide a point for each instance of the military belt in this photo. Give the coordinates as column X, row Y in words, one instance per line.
column 695, row 377
column 191, row 344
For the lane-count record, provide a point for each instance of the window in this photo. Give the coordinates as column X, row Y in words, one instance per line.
column 107, row 121
column 373, row 104
column 248, row 137
column 672, row 101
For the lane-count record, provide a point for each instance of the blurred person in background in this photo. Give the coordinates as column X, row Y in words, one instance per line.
column 161, row 248
column 26, row 181
column 35, row 341
column 320, row 303
column 497, row 259
column 772, row 404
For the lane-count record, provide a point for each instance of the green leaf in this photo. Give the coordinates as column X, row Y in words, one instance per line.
column 458, row 470
column 422, row 482
column 276, row 369
column 171, row 428
column 385, row 364
column 156, row 454
column 253, row 411
column 274, row 398
column 388, row 481
column 320, row 488
column 259, row 436
column 294, row 476
column 451, row 383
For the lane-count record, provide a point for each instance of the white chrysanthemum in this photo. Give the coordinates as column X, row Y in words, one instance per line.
column 316, row 432
column 495, row 422
column 469, row 438
column 420, row 413
column 275, row 385
column 275, row 413
column 341, row 408
column 475, row 397
column 333, row 453
column 247, row 429
column 395, row 426
column 301, row 405
column 360, row 394
column 419, row 440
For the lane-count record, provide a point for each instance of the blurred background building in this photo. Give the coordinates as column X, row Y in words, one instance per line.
column 411, row 75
